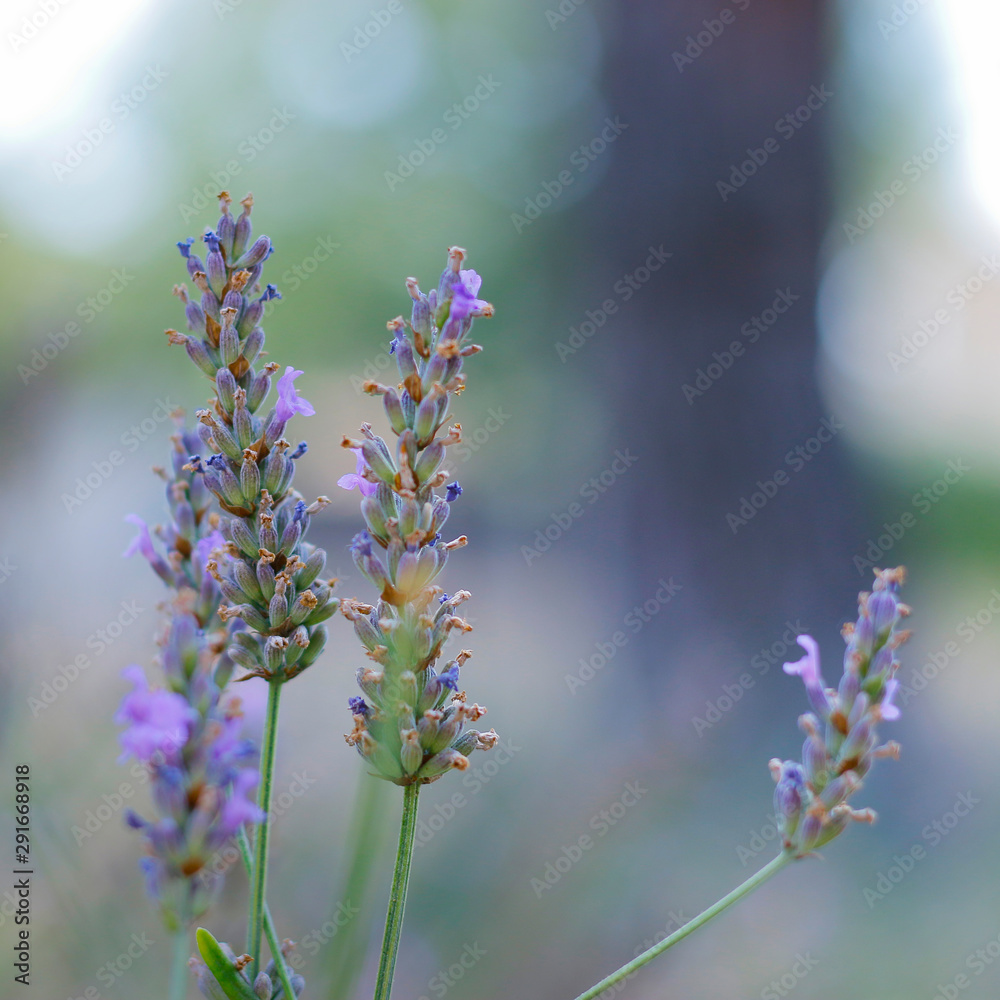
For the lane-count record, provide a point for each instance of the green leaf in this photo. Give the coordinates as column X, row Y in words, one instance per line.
column 233, row 983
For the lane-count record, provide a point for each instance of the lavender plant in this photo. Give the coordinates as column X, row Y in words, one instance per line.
column 245, row 592
column 409, row 726
column 251, row 553
column 810, row 797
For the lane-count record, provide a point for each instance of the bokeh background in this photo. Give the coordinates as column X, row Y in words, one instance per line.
column 838, row 159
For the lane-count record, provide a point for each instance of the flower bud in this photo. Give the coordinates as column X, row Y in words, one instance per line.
column 274, row 653
column 244, row 537
column 428, row 462
column 394, row 411
column 317, row 640
column 249, row 478
column 262, row 986
column 198, row 353
column 411, row 754
column 256, row 254
column 225, row 388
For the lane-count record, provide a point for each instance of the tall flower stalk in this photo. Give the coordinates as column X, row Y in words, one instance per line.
column 841, row 745
column 258, row 560
column 409, row 723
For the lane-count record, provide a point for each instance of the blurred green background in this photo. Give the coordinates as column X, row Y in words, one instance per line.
column 876, row 207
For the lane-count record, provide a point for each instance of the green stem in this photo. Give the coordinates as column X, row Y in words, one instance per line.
column 346, row 953
column 397, row 897
column 179, row 966
column 269, row 931
column 255, row 925
column 772, row 868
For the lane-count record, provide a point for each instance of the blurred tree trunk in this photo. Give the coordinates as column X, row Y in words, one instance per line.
column 691, row 121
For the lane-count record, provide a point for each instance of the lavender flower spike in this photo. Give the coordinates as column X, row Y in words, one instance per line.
column 841, row 743
column 201, row 772
column 410, row 726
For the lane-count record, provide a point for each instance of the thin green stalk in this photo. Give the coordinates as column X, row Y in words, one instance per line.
column 346, row 952
column 397, row 897
column 255, row 925
column 269, row 931
column 179, row 965
column 772, row 868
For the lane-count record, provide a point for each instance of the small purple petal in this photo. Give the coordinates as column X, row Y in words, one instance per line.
column 289, row 401
column 158, row 721
column 889, row 711
column 204, row 546
column 356, row 481
column 464, row 298
column 808, row 669
column 142, row 541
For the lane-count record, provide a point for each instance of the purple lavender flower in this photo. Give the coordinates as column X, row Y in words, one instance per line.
column 159, row 721
column 289, row 401
column 412, row 733
column 355, row 480
column 201, row 773
column 465, row 301
column 808, row 669
column 142, row 543
column 841, row 744
column 889, row 711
